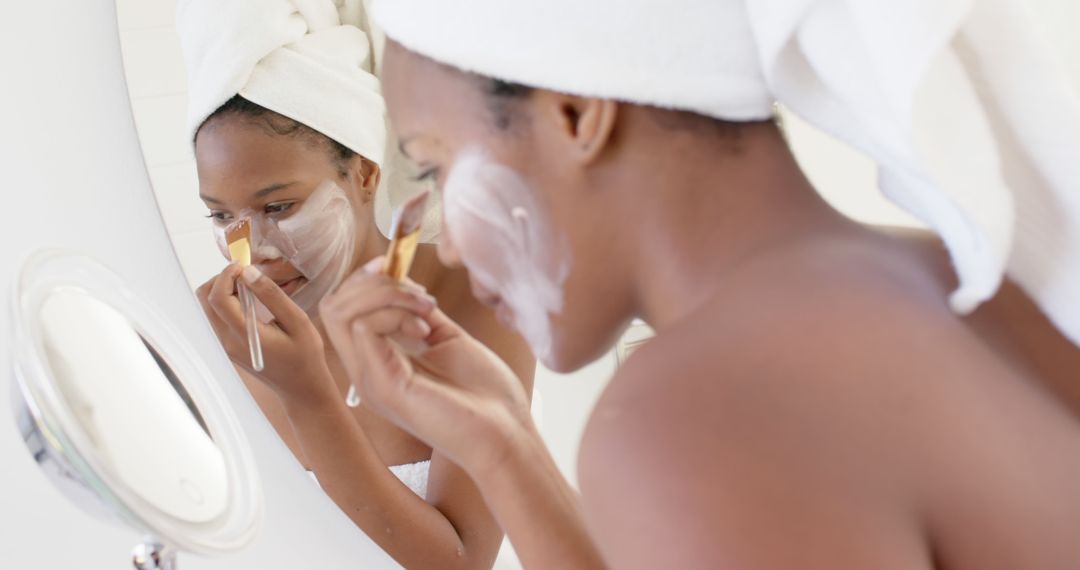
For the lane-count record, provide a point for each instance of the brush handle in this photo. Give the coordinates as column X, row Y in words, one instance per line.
column 411, row 347
column 252, row 324
column 352, row 398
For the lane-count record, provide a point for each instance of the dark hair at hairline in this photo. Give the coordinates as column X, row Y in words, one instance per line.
column 277, row 124
column 502, row 95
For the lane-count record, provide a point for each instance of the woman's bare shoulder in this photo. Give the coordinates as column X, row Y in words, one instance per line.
column 742, row 434
column 740, row 460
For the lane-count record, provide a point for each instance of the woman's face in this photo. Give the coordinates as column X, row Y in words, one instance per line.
column 519, row 211
column 245, row 169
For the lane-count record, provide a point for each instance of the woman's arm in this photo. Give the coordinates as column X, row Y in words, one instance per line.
column 539, row 510
column 274, row 411
column 466, row 403
column 454, row 531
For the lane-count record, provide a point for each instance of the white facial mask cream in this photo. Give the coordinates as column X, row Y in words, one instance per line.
column 318, row 240
column 505, row 240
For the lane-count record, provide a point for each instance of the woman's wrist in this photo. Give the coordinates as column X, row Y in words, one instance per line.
column 511, row 449
column 536, row 505
column 319, row 392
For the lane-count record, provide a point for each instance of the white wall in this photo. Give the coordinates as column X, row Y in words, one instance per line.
column 1059, row 20
column 158, row 85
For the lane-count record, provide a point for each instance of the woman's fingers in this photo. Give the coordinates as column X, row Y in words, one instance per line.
column 361, row 296
column 234, row 346
column 222, row 298
column 403, row 327
column 389, row 380
column 391, row 321
column 289, row 316
column 460, row 424
column 364, row 293
column 221, row 329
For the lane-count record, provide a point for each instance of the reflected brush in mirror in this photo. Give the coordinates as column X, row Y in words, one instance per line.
column 238, row 236
column 404, row 239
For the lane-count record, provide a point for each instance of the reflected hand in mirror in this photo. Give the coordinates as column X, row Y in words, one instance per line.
column 294, row 362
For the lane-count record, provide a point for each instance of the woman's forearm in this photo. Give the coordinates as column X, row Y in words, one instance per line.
column 350, row 471
column 538, row 509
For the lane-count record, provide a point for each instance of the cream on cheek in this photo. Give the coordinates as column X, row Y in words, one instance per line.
column 507, row 243
column 317, row 239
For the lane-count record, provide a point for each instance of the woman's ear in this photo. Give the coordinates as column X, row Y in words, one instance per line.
column 367, row 175
column 586, row 123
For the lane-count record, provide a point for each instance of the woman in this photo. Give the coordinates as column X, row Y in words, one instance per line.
column 311, row 199
column 811, row 400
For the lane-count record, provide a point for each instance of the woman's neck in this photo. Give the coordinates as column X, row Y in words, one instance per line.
column 719, row 206
column 371, row 244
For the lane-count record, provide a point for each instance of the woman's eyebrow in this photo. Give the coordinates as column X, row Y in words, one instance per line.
column 273, row 188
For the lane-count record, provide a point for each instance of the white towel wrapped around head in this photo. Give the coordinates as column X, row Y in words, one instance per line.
column 313, row 61
column 968, row 114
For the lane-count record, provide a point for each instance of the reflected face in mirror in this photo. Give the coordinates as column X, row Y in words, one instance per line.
column 533, row 182
column 126, row 400
column 252, row 161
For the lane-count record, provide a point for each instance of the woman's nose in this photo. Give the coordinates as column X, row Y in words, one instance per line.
column 265, row 254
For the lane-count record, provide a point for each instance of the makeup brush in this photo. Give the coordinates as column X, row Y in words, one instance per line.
column 404, row 238
column 238, row 236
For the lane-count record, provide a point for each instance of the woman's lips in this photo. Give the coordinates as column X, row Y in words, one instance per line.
column 291, row 285
column 503, row 313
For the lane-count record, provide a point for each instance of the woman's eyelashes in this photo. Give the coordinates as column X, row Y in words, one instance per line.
column 219, row 217
column 275, row 209
column 429, row 174
column 428, row 179
column 278, row 208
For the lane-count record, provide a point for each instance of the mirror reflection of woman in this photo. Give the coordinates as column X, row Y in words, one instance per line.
column 821, row 394
column 289, row 131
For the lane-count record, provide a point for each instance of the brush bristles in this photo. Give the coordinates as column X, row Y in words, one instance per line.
column 405, row 236
column 410, row 215
column 239, row 239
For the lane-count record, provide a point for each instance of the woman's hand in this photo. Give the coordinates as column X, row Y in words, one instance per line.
column 454, row 393
column 462, row 400
column 293, row 351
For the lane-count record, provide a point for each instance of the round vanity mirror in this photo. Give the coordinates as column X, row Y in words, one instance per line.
column 121, row 414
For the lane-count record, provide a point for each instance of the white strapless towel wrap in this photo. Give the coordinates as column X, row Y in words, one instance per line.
column 968, row 114
column 413, row 475
column 314, row 61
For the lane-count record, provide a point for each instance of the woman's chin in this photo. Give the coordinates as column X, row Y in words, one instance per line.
column 570, row 350
column 556, row 359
